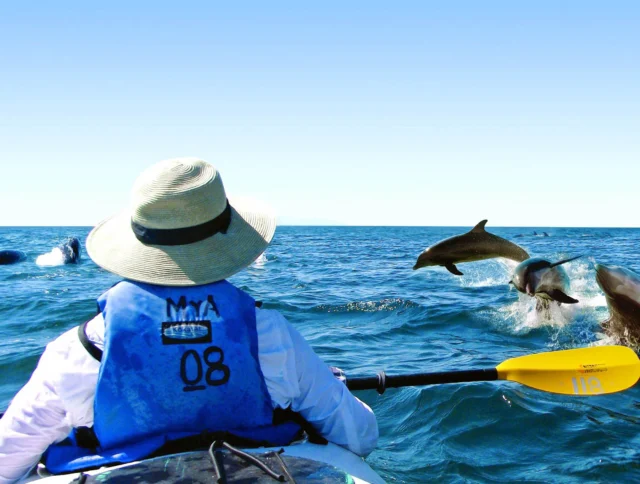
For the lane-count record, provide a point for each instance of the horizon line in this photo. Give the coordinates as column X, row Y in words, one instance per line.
column 373, row 226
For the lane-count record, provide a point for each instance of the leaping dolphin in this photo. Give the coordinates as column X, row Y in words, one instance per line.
column 477, row 244
column 544, row 280
column 621, row 288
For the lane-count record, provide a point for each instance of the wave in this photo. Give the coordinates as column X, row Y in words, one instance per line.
column 391, row 304
column 260, row 261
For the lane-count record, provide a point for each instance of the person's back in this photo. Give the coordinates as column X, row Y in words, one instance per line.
column 176, row 352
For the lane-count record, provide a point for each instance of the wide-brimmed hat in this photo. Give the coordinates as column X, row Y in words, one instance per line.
column 181, row 230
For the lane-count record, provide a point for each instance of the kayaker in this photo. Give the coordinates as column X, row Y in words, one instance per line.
column 176, row 352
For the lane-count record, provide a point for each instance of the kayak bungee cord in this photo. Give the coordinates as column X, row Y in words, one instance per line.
column 285, row 469
column 215, row 452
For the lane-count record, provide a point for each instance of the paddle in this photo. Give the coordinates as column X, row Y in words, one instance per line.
column 583, row 372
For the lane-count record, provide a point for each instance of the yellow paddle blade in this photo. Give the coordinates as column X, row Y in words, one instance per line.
column 583, row 371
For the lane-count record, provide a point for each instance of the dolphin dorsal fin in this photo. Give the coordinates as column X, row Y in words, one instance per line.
column 479, row 227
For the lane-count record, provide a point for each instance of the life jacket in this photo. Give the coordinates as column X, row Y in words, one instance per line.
column 179, row 363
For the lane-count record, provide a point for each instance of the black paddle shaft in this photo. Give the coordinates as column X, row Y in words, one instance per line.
column 383, row 381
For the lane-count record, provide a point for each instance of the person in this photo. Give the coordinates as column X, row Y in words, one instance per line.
column 176, row 352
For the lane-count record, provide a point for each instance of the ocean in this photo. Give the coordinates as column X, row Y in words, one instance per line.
column 352, row 293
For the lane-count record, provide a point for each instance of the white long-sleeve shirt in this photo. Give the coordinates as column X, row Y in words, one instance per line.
column 59, row 396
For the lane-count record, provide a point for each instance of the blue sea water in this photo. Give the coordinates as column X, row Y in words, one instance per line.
column 352, row 293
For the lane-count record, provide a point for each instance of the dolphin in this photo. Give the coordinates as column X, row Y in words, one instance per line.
column 534, row 234
column 477, row 244
column 544, row 280
column 70, row 250
column 621, row 288
column 11, row 256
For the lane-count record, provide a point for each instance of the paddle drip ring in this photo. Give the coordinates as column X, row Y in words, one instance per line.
column 382, row 382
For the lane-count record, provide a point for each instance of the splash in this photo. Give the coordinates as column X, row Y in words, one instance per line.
column 493, row 272
column 596, row 301
column 523, row 315
column 582, row 277
column 605, row 340
column 50, row 259
column 584, row 287
column 260, row 261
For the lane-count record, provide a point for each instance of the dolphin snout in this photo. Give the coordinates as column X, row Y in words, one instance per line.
column 604, row 277
column 423, row 260
column 601, row 272
column 528, row 289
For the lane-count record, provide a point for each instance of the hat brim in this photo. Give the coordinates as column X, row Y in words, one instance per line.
column 113, row 246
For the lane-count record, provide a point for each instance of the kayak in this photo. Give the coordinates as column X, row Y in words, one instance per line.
column 303, row 462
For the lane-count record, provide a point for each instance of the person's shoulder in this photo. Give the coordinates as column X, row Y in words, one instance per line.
column 63, row 343
column 269, row 316
column 271, row 320
column 67, row 346
column 273, row 328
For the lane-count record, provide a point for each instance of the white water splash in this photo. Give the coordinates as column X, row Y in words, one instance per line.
column 597, row 301
column 260, row 261
column 582, row 276
column 53, row 258
column 605, row 340
column 585, row 288
column 524, row 316
column 493, row 272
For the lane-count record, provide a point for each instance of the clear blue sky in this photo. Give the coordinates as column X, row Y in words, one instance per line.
column 360, row 113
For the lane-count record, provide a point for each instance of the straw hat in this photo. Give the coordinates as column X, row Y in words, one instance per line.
column 180, row 229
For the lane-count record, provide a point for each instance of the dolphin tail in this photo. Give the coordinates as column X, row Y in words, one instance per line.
column 561, row 297
column 453, row 269
column 564, row 261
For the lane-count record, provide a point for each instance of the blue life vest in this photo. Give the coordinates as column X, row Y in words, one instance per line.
column 177, row 362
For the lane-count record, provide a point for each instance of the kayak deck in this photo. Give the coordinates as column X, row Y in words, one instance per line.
column 305, row 462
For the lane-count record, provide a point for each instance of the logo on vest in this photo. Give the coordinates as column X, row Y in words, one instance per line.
column 192, row 332
column 189, row 323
